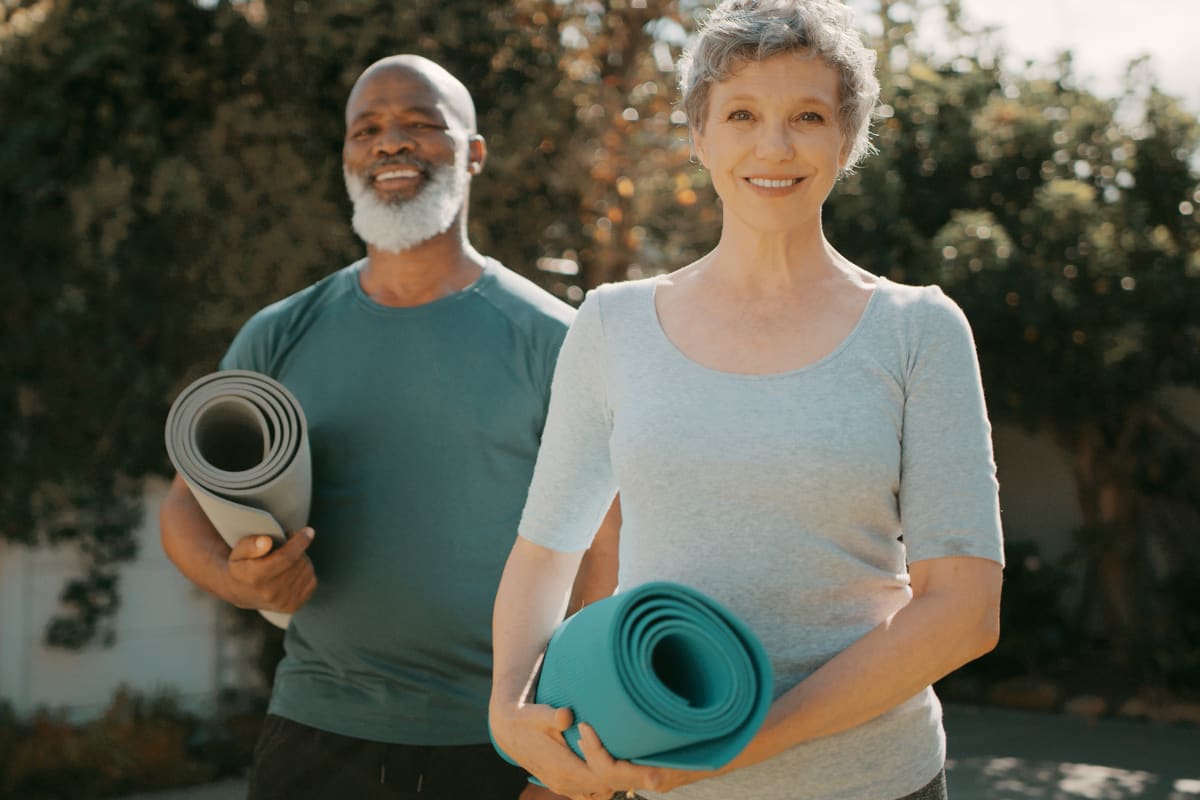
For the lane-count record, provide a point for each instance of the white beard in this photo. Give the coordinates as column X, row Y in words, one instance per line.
column 404, row 224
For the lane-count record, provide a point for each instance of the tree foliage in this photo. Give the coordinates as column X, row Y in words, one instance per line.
column 166, row 168
column 1065, row 226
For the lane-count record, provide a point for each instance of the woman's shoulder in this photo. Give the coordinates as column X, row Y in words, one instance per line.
column 919, row 315
column 622, row 289
column 910, row 294
column 916, row 300
column 621, row 298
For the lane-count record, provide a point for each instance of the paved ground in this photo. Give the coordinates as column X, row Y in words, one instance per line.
column 1006, row 755
column 1014, row 755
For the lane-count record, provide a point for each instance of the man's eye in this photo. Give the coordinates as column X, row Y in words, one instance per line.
column 740, row 116
column 363, row 133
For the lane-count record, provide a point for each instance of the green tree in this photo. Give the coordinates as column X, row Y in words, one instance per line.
column 168, row 168
column 103, row 207
column 1083, row 292
column 1065, row 225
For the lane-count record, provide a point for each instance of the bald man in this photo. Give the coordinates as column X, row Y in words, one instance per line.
column 424, row 371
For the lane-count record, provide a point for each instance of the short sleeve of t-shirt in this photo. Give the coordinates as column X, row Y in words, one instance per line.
column 573, row 483
column 949, row 502
column 251, row 348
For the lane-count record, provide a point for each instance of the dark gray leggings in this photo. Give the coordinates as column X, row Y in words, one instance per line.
column 934, row 790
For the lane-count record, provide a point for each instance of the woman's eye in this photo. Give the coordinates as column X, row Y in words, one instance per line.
column 811, row 116
column 740, row 116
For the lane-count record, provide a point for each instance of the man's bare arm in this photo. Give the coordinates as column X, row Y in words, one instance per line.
column 249, row 575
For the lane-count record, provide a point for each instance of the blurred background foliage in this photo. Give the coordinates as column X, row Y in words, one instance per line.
column 167, row 167
column 140, row 743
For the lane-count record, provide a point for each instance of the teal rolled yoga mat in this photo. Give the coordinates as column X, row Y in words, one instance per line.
column 664, row 674
column 239, row 440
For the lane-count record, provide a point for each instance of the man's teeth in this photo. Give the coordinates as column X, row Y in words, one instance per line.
column 397, row 173
column 766, row 183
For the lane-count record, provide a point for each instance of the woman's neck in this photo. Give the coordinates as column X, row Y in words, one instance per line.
column 757, row 262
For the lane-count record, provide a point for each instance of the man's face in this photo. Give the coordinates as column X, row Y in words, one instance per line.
column 406, row 159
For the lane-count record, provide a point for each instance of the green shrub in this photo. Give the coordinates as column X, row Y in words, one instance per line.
column 140, row 743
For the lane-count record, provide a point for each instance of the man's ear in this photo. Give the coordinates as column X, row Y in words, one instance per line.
column 476, row 154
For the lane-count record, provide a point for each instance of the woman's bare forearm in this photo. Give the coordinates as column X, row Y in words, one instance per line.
column 530, row 602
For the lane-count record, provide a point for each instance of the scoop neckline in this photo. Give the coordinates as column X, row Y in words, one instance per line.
column 363, row 299
column 679, row 355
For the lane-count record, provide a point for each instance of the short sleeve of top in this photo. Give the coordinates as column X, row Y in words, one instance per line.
column 260, row 340
column 249, row 349
column 573, row 483
column 948, row 499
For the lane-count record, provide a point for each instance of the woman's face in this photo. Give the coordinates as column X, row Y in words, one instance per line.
column 772, row 141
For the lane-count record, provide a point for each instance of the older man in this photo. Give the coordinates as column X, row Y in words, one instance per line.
column 424, row 371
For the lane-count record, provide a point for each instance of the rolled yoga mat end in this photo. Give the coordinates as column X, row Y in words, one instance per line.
column 239, row 439
column 664, row 674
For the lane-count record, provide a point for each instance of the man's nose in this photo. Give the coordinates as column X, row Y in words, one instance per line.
column 394, row 139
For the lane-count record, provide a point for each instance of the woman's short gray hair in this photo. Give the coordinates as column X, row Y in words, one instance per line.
column 738, row 31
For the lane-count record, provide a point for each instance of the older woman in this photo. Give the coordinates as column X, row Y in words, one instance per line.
column 802, row 440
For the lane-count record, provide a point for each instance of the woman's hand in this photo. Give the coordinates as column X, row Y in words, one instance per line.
column 531, row 735
column 629, row 777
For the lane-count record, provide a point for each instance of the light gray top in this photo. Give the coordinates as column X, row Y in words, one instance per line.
column 783, row 496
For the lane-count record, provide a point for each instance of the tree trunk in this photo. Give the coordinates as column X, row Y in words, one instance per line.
column 1109, row 604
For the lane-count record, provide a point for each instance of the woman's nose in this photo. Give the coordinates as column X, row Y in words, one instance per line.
column 774, row 143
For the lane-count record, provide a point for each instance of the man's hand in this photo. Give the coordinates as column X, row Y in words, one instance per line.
column 280, row 579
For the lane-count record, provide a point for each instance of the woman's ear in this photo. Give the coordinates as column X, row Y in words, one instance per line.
column 697, row 147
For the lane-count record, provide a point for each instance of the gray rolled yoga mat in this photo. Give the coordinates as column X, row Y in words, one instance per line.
column 240, row 441
column 664, row 674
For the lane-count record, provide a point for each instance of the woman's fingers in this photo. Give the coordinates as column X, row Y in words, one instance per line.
column 547, row 718
column 563, row 718
column 622, row 774
column 531, row 734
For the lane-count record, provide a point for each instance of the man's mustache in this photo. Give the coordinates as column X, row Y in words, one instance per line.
column 380, row 164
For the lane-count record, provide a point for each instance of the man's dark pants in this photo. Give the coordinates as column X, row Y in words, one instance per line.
column 296, row 762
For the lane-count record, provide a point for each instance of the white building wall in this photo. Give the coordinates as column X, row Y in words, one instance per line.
column 1037, row 490
column 169, row 634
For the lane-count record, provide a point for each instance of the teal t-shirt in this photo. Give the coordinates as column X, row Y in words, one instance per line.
column 424, row 425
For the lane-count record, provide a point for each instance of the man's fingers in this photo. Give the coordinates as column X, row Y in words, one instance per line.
column 297, row 543
column 275, row 580
column 282, row 557
column 250, row 547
